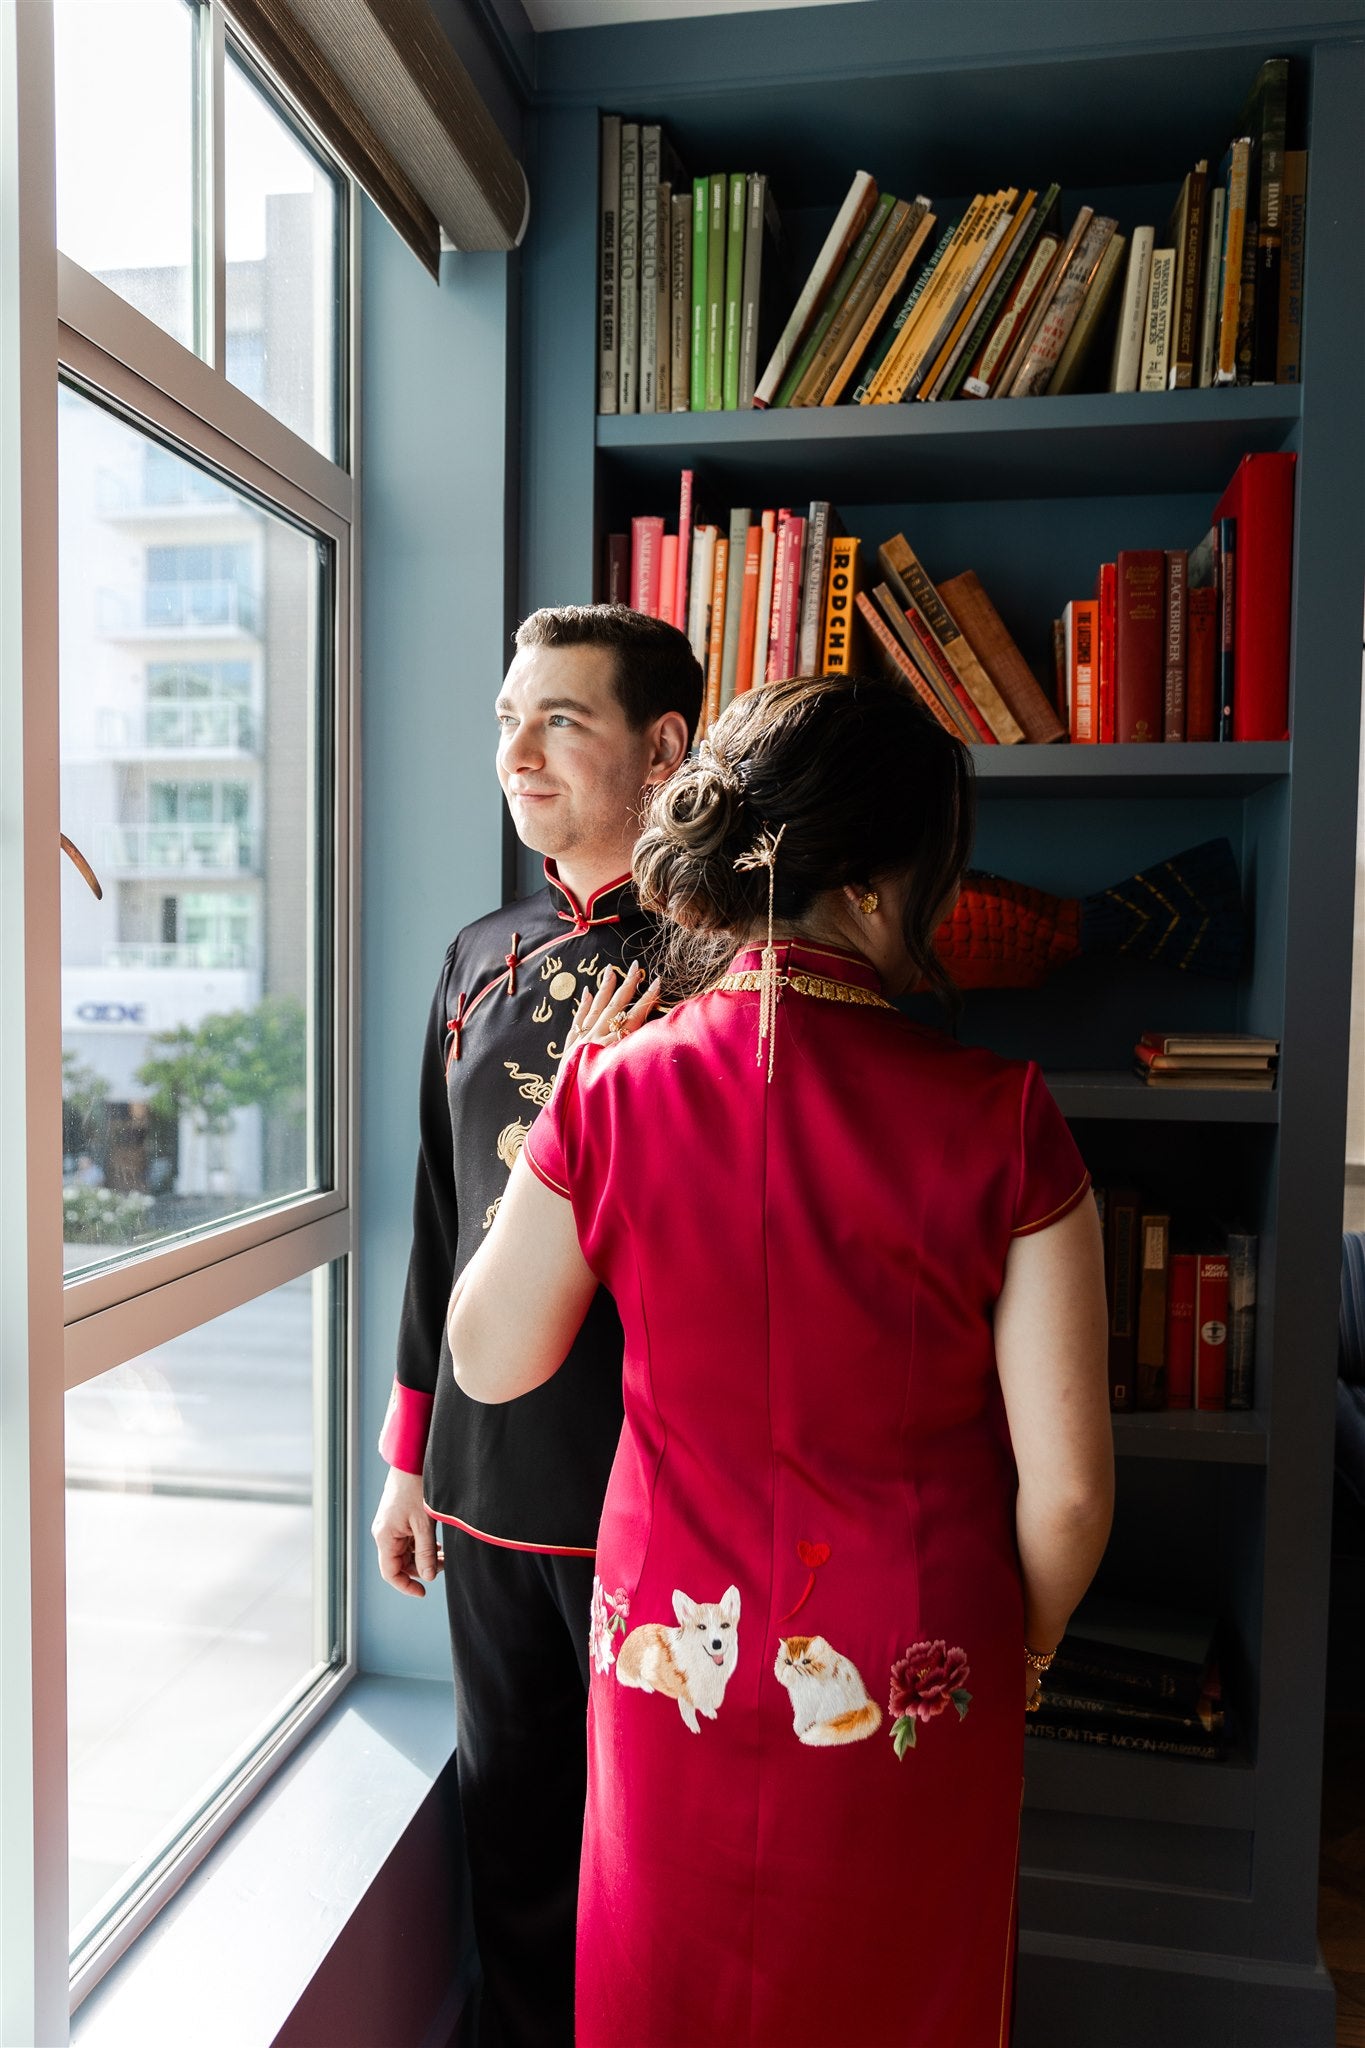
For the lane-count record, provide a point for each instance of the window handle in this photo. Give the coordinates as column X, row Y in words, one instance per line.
column 82, row 867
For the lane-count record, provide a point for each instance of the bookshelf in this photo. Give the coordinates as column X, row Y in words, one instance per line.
column 1156, row 1892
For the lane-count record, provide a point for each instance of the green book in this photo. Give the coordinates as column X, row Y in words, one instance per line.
column 734, row 287
column 701, row 206
column 882, row 349
column 1041, row 213
column 715, row 293
column 838, row 292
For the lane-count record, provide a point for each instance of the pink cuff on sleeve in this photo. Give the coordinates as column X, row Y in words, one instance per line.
column 403, row 1439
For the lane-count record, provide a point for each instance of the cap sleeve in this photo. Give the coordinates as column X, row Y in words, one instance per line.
column 549, row 1144
column 1052, row 1174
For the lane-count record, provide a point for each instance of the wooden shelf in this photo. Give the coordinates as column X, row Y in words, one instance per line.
column 1077, row 1777
column 1217, row 1439
column 1167, row 442
column 1199, row 768
column 1107, row 1095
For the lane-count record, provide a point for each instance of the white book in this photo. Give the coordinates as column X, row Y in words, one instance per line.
column 848, row 225
column 608, row 261
column 651, row 143
column 763, row 613
column 1213, row 287
column 703, row 573
column 680, row 301
column 1123, row 375
column 1156, row 340
column 628, row 297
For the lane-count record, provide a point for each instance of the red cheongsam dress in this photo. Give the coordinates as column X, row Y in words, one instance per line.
column 806, row 1712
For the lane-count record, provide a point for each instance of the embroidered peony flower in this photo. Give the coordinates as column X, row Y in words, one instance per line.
column 599, row 1630
column 618, row 1609
column 924, row 1682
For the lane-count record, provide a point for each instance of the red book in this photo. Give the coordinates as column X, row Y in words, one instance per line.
column 900, row 662
column 1201, row 662
column 1180, row 1292
column 646, row 546
column 1122, row 1210
column 680, row 608
column 1106, row 582
column 1139, row 634
column 1211, row 1331
column 791, row 537
column 781, row 551
column 668, row 578
column 1082, row 657
column 616, row 578
column 1261, row 499
column 748, row 610
column 1173, row 699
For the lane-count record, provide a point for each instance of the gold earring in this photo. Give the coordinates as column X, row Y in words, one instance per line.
column 868, row 903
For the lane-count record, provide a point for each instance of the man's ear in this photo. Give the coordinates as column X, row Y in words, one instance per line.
column 668, row 749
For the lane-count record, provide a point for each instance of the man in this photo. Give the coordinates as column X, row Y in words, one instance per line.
column 598, row 706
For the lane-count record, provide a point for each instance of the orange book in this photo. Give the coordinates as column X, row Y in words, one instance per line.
column 716, row 642
column 1083, row 665
column 841, row 609
column 748, row 610
column 900, row 663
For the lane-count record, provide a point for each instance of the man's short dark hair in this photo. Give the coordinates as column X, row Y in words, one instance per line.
column 656, row 670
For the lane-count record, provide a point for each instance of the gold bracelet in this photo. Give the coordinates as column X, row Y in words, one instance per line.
column 1038, row 1660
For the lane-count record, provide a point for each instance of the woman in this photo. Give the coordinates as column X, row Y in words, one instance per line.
column 865, row 1472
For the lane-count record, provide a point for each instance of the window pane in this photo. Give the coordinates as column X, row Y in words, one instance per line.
column 201, row 1556
column 195, row 643
column 283, row 285
column 125, row 90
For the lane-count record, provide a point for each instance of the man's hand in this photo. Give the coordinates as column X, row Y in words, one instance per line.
column 404, row 1534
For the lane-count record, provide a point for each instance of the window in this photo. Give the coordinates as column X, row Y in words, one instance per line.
column 186, row 637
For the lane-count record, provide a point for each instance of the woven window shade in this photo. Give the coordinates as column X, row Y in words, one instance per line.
column 383, row 85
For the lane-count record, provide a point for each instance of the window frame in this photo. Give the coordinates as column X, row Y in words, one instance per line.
column 58, row 322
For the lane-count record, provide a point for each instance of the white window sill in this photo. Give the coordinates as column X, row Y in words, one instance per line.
column 256, row 1930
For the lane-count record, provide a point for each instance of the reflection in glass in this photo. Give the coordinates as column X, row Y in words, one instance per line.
column 196, row 1598
column 192, row 629
column 125, row 91
column 283, row 286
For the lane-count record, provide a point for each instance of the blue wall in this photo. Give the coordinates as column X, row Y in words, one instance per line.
column 435, row 405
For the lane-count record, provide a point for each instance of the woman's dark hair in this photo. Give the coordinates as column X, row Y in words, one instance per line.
column 866, row 784
column 656, row 670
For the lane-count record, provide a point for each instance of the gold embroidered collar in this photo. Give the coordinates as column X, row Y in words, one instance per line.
column 823, row 987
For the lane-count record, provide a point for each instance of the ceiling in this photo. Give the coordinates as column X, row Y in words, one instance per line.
column 554, row 14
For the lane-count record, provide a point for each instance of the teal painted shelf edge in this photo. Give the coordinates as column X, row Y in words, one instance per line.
column 1194, row 768
column 1117, row 1096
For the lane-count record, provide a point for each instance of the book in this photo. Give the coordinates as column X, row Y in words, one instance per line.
column 1248, row 1082
column 1156, row 340
column 646, row 537
column 1018, row 229
column 998, row 231
column 1020, row 303
column 628, row 274
column 1139, row 622
column 1241, row 1347
column 1122, row 1208
column 1090, row 321
column 1174, row 638
column 1132, row 328
column 737, row 541
column 1028, row 326
column 919, row 224
column 715, row 636
column 663, row 339
column 716, row 222
column 608, row 260
column 1155, row 1233
column 1234, row 179
column 1240, row 1044
column 1059, row 665
column 760, row 235
column 1257, row 343
column 1180, row 1292
column 900, row 664
column 1210, row 1330
column 1293, row 203
column 1260, row 498
column 1211, row 289
column 616, row 570
column 701, row 224
column 748, row 610
column 651, row 145
column 848, row 225
column 1186, row 236
column 840, row 286
column 841, row 605
column 986, row 633
column 680, row 304
column 699, row 604
column 763, row 621
column 680, row 595
column 1209, row 1750
column 1201, row 638
column 908, row 578
column 1040, row 360
column 791, row 532
column 1106, row 584
column 810, row 636
column 892, row 226
column 738, row 206
column 911, row 627
column 881, row 349
column 668, row 578
column 1023, row 250
column 1227, row 628
column 925, row 333
column 1161, row 1063
column 1157, row 1651
column 1082, row 1706
column 1082, row 707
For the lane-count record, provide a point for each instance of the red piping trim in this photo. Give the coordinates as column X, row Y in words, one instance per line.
column 582, row 919
column 541, row 1175
column 506, row 1543
column 498, row 981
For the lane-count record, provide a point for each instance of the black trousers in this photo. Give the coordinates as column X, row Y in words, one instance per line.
column 519, row 1645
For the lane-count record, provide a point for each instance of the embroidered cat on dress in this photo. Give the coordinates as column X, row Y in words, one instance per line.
column 692, row 1663
column 830, row 1704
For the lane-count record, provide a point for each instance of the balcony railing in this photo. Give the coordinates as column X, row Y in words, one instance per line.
column 171, row 485
column 183, row 849
column 211, row 607
column 187, row 955
column 204, row 727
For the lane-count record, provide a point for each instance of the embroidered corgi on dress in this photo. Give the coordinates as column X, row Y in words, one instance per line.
column 692, row 1663
column 830, row 1703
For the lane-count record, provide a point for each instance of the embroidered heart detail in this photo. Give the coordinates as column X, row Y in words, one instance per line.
column 812, row 1555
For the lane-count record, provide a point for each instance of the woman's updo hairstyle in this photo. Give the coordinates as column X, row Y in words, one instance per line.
column 867, row 785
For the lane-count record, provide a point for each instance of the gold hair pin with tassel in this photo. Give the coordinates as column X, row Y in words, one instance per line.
column 763, row 854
